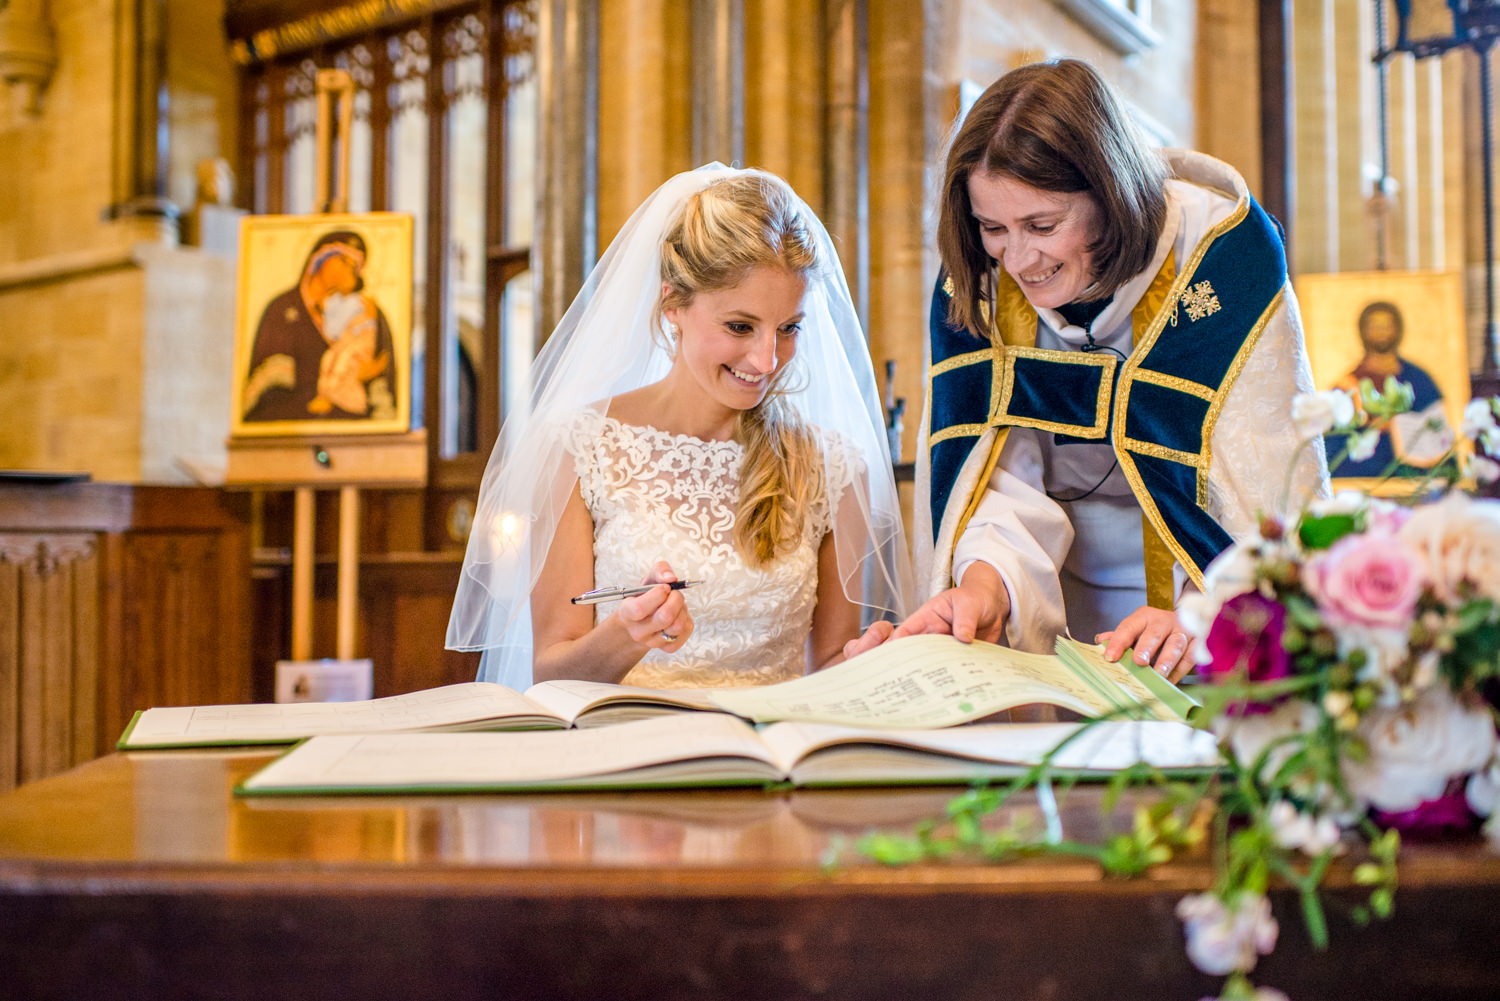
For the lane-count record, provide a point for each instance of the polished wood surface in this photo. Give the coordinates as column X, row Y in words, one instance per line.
column 142, row 875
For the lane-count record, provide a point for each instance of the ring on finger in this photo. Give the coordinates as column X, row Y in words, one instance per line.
column 668, row 636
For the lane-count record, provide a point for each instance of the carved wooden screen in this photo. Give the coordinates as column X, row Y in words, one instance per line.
column 445, row 129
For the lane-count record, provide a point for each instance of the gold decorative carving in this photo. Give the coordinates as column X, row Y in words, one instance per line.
column 28, row 53
column 327, row 26
column 44, row 554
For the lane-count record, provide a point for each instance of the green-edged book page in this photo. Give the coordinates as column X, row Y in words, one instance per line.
column 926, row 681
column 1140, row 691
column 715, row 750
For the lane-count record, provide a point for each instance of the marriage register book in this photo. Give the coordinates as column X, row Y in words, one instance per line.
column 711, row 749
column 473, row 705
column 914, row 682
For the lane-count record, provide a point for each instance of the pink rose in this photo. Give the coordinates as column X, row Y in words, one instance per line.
column 1373, row 579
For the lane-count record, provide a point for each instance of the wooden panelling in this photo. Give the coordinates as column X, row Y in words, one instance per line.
column 10, row 675
column 47, row 590
column 114, row 598
column 405, row 605
column 117, row 598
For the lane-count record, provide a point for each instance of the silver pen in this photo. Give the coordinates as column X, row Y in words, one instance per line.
column 628, row 591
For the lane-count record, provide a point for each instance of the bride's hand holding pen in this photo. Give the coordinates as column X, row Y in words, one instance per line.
column 653, row 613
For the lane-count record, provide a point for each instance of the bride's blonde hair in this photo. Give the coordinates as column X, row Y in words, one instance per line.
column 725, row 231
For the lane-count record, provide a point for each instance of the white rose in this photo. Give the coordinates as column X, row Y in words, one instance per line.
column 1483, row 790
column 1424, row 437
column 1196, row 613
column 1232, row 572
column 1362, row 445
column 1385, row 650
column 1313, row 835
column 1479, row 423
column 1416, row 748
column 1249, row 736
column 1318, row 413
column 1460, row 539
column 1343, row 502
column 1484, row 470
column 1221, row 940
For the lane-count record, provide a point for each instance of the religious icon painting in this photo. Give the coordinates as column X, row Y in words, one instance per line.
column 1377, row 324
column 323, row 325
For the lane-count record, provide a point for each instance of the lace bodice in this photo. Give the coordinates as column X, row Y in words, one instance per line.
column 655, row 495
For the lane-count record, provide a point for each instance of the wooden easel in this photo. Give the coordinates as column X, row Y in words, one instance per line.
column 305, row 463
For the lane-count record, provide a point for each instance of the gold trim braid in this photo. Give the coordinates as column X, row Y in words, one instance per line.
column 1101, row 360
column 329, row 25
column 1128, row 376
column 1156, row 557
column 959, row 361
column 958, row 431
column 1178, row 383
column 977, row 494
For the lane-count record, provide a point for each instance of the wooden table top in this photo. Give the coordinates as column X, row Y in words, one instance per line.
column 707, row 893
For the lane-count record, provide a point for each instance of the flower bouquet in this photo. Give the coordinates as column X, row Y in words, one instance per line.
column 1348, row 653
column 1349, row 650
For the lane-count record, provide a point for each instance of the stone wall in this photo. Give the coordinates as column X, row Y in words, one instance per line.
column 114, row 343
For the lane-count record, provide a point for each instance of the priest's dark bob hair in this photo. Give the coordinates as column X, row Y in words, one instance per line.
column 1056, row 126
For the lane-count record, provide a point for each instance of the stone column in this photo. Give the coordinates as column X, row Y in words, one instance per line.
column 567, row 55
column 785, row 93
column 846, row 178
column 646, row 59
column 142, row 136
column 718, row 28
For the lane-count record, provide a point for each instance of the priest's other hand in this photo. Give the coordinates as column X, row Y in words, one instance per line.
column 1158, row 638
column 976, row 609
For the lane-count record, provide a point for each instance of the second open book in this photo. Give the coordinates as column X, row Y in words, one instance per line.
column 715, row 749
column 914, row 682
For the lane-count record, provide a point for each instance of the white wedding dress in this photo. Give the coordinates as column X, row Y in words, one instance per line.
column 655, row 495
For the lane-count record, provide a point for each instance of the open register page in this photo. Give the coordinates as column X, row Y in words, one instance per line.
column 917, row 681
column 474, row 705
column 935, row 681
column 718, row 750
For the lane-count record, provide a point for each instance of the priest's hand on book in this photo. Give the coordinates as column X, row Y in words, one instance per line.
column 1157, row 638
column 976, row 609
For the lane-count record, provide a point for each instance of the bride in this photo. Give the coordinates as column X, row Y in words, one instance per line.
column 706, row 411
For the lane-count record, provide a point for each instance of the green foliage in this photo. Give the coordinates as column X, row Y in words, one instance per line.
column 1320, row 533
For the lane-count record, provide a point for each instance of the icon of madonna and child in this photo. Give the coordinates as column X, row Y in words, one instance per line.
column 329, row 349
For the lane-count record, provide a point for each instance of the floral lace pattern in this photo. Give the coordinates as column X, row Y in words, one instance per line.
column 655, row 495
